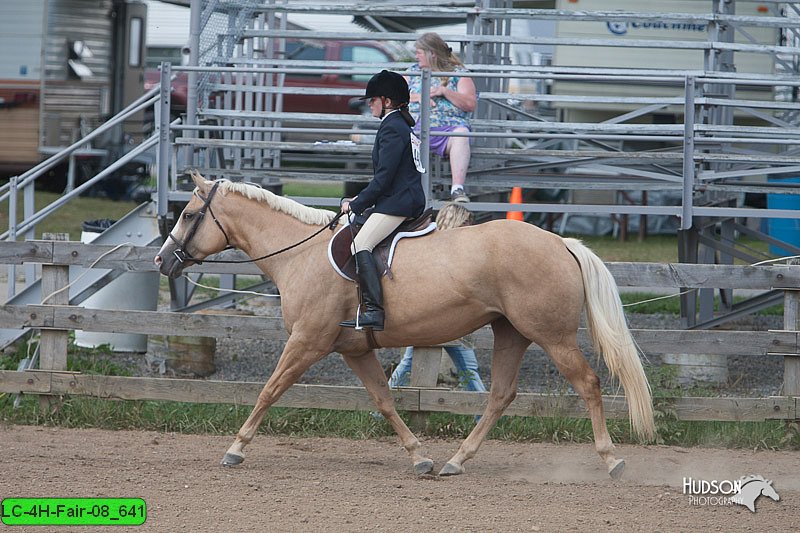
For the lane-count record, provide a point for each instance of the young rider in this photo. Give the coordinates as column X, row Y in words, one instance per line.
column 394, row 193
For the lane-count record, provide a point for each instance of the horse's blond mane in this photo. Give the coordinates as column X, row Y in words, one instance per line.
column 308, row 215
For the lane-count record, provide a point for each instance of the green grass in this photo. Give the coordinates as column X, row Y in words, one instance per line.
column 654, row 249
column 640, row 302
column 218, row 419
column 69, row 218
column 319, row 189
column 99, row 360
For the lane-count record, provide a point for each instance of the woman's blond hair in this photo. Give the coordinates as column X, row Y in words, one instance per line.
column 440, row 56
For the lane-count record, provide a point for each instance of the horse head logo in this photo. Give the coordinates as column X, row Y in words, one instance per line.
column 752, row 488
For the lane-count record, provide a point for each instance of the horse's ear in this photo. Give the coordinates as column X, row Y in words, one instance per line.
column 199, row 181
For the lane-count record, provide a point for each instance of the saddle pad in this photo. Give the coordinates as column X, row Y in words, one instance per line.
column 342, row 260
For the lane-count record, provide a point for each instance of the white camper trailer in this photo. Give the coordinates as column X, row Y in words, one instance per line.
column 637, row 57
column 65, row 65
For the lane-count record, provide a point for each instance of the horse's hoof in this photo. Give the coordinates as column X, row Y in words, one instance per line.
column 616, row 471
column 451, row 470
column 423, row 467
column 231, row 460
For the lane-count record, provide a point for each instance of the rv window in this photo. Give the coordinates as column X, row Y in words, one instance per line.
column 363, row 54
column 305, row 51
column 135, row 43
column 157, row 54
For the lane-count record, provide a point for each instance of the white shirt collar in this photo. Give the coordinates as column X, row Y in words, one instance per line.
column 389, row 113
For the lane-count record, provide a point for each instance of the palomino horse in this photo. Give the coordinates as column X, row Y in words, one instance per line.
column 528, row 284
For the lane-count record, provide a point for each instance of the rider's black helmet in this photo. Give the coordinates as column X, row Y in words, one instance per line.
column 389, row 84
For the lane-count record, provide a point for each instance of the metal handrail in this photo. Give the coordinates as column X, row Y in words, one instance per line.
column 146, row 100
column 46, row 211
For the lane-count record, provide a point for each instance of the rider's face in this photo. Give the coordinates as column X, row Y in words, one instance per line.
column 376, row 106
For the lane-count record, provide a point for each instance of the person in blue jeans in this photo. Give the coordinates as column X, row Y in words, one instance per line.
column 463, row 359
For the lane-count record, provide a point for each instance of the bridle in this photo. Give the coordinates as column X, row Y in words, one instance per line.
column 182, row 255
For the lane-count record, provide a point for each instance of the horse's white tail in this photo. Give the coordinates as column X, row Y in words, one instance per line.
column 612, row 338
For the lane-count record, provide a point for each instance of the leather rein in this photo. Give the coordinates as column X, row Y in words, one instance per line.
column 182, row 255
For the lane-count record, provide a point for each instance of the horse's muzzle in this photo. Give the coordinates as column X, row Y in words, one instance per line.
column 169, row 265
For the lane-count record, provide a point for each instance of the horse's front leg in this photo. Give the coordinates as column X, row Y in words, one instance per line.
column 296, row 358
column 367, row 367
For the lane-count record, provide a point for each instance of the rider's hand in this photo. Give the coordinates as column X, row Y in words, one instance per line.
column 346, row 206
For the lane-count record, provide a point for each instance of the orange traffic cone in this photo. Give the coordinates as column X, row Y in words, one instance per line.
column 516, row 198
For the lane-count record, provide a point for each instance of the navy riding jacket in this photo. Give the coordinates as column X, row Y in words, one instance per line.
column 396, row 188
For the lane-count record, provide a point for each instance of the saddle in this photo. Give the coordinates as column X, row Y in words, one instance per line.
column 341, row 257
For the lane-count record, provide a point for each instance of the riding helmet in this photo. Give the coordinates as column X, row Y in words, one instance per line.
column 389, row 84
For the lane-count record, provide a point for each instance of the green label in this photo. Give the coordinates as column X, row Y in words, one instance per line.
column 73, row 511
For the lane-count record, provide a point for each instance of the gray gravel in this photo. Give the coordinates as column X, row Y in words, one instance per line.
column 254, row 360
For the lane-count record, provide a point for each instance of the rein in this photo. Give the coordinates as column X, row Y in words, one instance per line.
column 182, row 255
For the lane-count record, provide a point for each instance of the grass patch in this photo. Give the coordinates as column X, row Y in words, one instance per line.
column 317, row 189
column 70, row 217
column 218, row 419
column 221, row 419
column 100, row 360
column 654, row 249
column 638, row 302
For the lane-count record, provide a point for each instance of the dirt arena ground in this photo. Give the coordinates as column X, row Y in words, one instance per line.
column 333, row 485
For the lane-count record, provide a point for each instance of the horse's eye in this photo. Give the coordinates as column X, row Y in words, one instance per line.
column 188, row 216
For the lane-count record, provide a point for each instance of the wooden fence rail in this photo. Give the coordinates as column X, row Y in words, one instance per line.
column 655, row 342
column 668, row 275
column 356, row 398
column 56, row 320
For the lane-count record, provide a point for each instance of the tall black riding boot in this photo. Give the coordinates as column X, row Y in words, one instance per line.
column 371, row 315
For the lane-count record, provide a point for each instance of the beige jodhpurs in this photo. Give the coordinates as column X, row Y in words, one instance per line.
column 377, row 227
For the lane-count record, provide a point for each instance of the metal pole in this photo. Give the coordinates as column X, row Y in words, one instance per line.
column 688, row 154
column 162, row 154
column 424, row 129
column 12, row 234
column 195, row 12
column 29, row 207
column 71, row 173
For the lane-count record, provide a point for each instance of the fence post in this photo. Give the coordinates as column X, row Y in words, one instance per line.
column 791, row 322
column 53, row 343
column 424, row 374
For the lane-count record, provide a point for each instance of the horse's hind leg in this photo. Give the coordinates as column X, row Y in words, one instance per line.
column 572, row 364
column 368, row 369
column 509, row 347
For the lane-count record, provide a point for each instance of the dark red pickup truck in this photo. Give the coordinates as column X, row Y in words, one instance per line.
column 357, row 51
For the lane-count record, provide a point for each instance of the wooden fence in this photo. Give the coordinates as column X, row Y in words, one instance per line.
column 57, row 319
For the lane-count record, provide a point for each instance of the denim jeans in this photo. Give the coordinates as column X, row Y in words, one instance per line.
column 463, row 359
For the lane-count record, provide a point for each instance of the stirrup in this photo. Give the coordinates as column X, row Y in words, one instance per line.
column 356, row 322
column 353, row 323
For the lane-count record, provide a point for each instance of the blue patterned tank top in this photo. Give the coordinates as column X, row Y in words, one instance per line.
column 443, row 113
